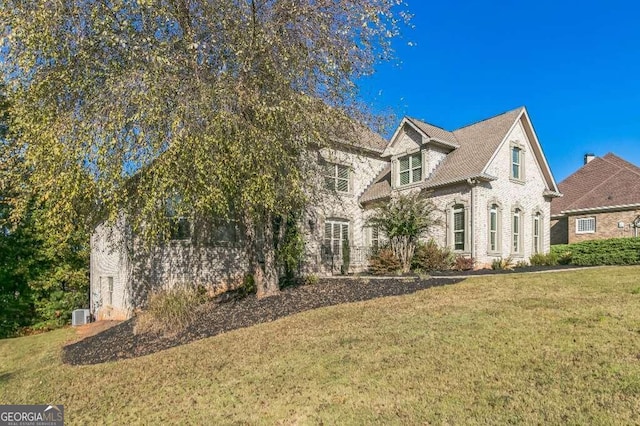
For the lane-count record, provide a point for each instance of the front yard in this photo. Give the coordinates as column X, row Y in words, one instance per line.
column 535, row 348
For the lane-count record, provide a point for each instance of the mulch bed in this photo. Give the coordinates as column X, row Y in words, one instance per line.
column 503, row 271
column 119, row 342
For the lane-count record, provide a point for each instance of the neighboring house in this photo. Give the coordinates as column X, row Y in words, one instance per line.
column 490, row 182
column 600, row 200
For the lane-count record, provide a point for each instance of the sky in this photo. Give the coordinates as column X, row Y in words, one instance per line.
column 574, row 65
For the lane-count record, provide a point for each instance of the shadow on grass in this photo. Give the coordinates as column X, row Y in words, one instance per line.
column 119, row 342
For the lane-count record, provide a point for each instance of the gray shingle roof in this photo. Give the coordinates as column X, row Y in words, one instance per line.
column 434, row 131
column 380, row 188
column 603, row 182
column 476, row 145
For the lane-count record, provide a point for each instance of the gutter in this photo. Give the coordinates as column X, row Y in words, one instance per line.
column 602, row 209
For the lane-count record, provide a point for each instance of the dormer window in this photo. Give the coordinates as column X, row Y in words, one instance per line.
column 410, row 169
column 336, row 177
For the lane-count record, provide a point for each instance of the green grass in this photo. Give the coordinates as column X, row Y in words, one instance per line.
column 547, row 348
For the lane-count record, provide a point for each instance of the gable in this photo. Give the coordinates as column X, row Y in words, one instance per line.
column 407, row 138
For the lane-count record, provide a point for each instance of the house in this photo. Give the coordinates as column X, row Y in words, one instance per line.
column 489, row 180
column 600, row 200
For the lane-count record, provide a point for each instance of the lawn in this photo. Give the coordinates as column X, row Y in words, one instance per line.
column 559, row 347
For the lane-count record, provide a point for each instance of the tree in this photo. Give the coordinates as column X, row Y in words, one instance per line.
column 217, row 101
column 404, row 220
column 43, row 276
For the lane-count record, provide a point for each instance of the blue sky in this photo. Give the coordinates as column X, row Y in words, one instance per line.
column 574, row 65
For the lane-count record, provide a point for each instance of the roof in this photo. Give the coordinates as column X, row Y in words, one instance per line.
column 380, row 188
column 607, row 181
column 434, row 132
column 476, row 144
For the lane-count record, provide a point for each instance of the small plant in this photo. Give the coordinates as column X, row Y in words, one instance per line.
column 463, row 263
column 540, row 259
column 384, row 262
column 521, row 264
column 502, row 264
column 310, row 279
column 170, row 311
column 635, row 290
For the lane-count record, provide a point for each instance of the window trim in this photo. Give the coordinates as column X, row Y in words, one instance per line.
column 109, row 291
column 336, row 221
column 411, row 169
column 452, row 208
column 521, row 164
column 517, row 212
column 539, row 218
column 590, row 219
column 494, row 206
column 335, row 176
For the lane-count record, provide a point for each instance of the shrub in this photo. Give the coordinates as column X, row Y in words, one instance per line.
column 613, row 251
column 310, row 279
column 431, row 257
column 501, row 264
column 521, row 264
column 384, row 262
column 540, row 259
column 346, row 257
column 463, row 263
column 170, row 311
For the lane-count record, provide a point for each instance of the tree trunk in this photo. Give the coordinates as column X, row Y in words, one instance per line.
column 265, row 276
column 269, row 285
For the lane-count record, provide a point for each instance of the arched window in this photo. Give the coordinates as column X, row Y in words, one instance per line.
column 516, row 231
column 537, row 233
column 458, row 226
column 494, row 239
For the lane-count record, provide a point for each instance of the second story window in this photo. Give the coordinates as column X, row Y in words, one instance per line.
column 336, row 177
column 410, row 168
column 516, row 163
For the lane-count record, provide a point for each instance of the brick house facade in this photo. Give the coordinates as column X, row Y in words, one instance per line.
column 490, row 182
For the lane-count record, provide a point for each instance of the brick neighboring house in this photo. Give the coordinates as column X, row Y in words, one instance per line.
column 489, row 180
column 600, row 200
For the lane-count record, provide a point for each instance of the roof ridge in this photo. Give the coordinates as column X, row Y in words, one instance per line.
column 487, row 119
column 430, row 124
column 634, row 169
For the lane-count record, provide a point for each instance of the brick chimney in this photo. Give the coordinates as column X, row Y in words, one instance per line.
column 588, row 157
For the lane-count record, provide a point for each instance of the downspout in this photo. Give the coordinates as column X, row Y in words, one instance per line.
column 473, row 183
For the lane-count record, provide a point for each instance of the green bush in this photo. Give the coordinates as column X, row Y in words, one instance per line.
column 170, row 311
column 613, row 251
column 384, row 262
column 541, row 259
column 431, row 257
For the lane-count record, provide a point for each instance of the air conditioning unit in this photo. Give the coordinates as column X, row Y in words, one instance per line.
column 80, row 317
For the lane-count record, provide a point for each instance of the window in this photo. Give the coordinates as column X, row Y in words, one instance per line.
column 586, row 225
column 109, row 281
column 516, row 162
column 494, row 230
column 179, row 225
column 458, row 227
column 517, row 231
column 537, row 241
column 375, row 237
column 336, row 177
column 335, row 232
column 410, row 169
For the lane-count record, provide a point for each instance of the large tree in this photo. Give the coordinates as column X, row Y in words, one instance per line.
column 213, row 104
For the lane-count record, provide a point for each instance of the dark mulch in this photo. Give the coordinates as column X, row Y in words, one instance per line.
column 503, row 271
column 119, row 342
